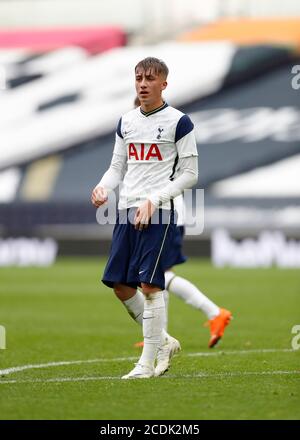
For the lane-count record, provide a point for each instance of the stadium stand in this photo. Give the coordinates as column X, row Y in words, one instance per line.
column 66, row 103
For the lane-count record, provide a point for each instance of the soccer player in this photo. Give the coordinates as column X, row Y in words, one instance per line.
column 152, row 144
column 218, row 318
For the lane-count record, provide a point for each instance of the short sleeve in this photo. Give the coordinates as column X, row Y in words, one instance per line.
column 185, row 137
column 119, row 147
column 119, row 128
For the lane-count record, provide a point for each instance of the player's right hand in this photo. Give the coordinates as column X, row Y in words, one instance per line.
column 99, row 196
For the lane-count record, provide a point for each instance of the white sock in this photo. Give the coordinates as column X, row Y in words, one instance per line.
column 153, row 321
column 192, row 295
column 168, row 277
column 166, row 299
column 135, row 306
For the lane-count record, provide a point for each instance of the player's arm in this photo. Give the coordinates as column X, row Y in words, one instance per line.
column 113, row 176
column 110, row 180
column 187, row 179
column 187, row 163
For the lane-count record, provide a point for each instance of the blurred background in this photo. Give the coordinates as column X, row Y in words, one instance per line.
column 66, row 76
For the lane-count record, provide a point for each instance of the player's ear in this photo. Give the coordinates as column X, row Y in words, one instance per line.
column 164, row 85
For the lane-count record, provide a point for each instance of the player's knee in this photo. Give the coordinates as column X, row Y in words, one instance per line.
column 149, row 288
column 123, row 292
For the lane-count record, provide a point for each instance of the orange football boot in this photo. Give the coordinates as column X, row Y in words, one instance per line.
column 217, row 326
column 139, row 344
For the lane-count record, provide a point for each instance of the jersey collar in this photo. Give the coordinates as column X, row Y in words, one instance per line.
column 158, row 109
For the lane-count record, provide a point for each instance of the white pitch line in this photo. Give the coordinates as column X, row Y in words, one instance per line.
column 58, row 364
column 171, row 376
column 17, row 369
column 262, row 350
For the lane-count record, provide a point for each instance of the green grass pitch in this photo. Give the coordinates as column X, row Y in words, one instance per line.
column 64, row 313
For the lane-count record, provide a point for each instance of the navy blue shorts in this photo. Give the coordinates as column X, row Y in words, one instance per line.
column 175, row 255
column 140, row 256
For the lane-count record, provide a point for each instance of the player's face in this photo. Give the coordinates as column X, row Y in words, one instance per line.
column 149, row 86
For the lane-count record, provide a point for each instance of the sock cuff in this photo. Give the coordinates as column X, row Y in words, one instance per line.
column 155, row 300
column 169, row 275
column 137, row 296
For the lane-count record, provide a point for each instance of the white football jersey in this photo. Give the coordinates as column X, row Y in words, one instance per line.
column 152, row 143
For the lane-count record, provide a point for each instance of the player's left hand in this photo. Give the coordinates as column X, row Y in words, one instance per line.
column 143, row 215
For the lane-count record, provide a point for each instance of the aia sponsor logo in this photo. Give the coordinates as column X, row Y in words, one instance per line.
column 144, row 152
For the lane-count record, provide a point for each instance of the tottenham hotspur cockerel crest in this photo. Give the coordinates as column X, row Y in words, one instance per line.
column 160, row 130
